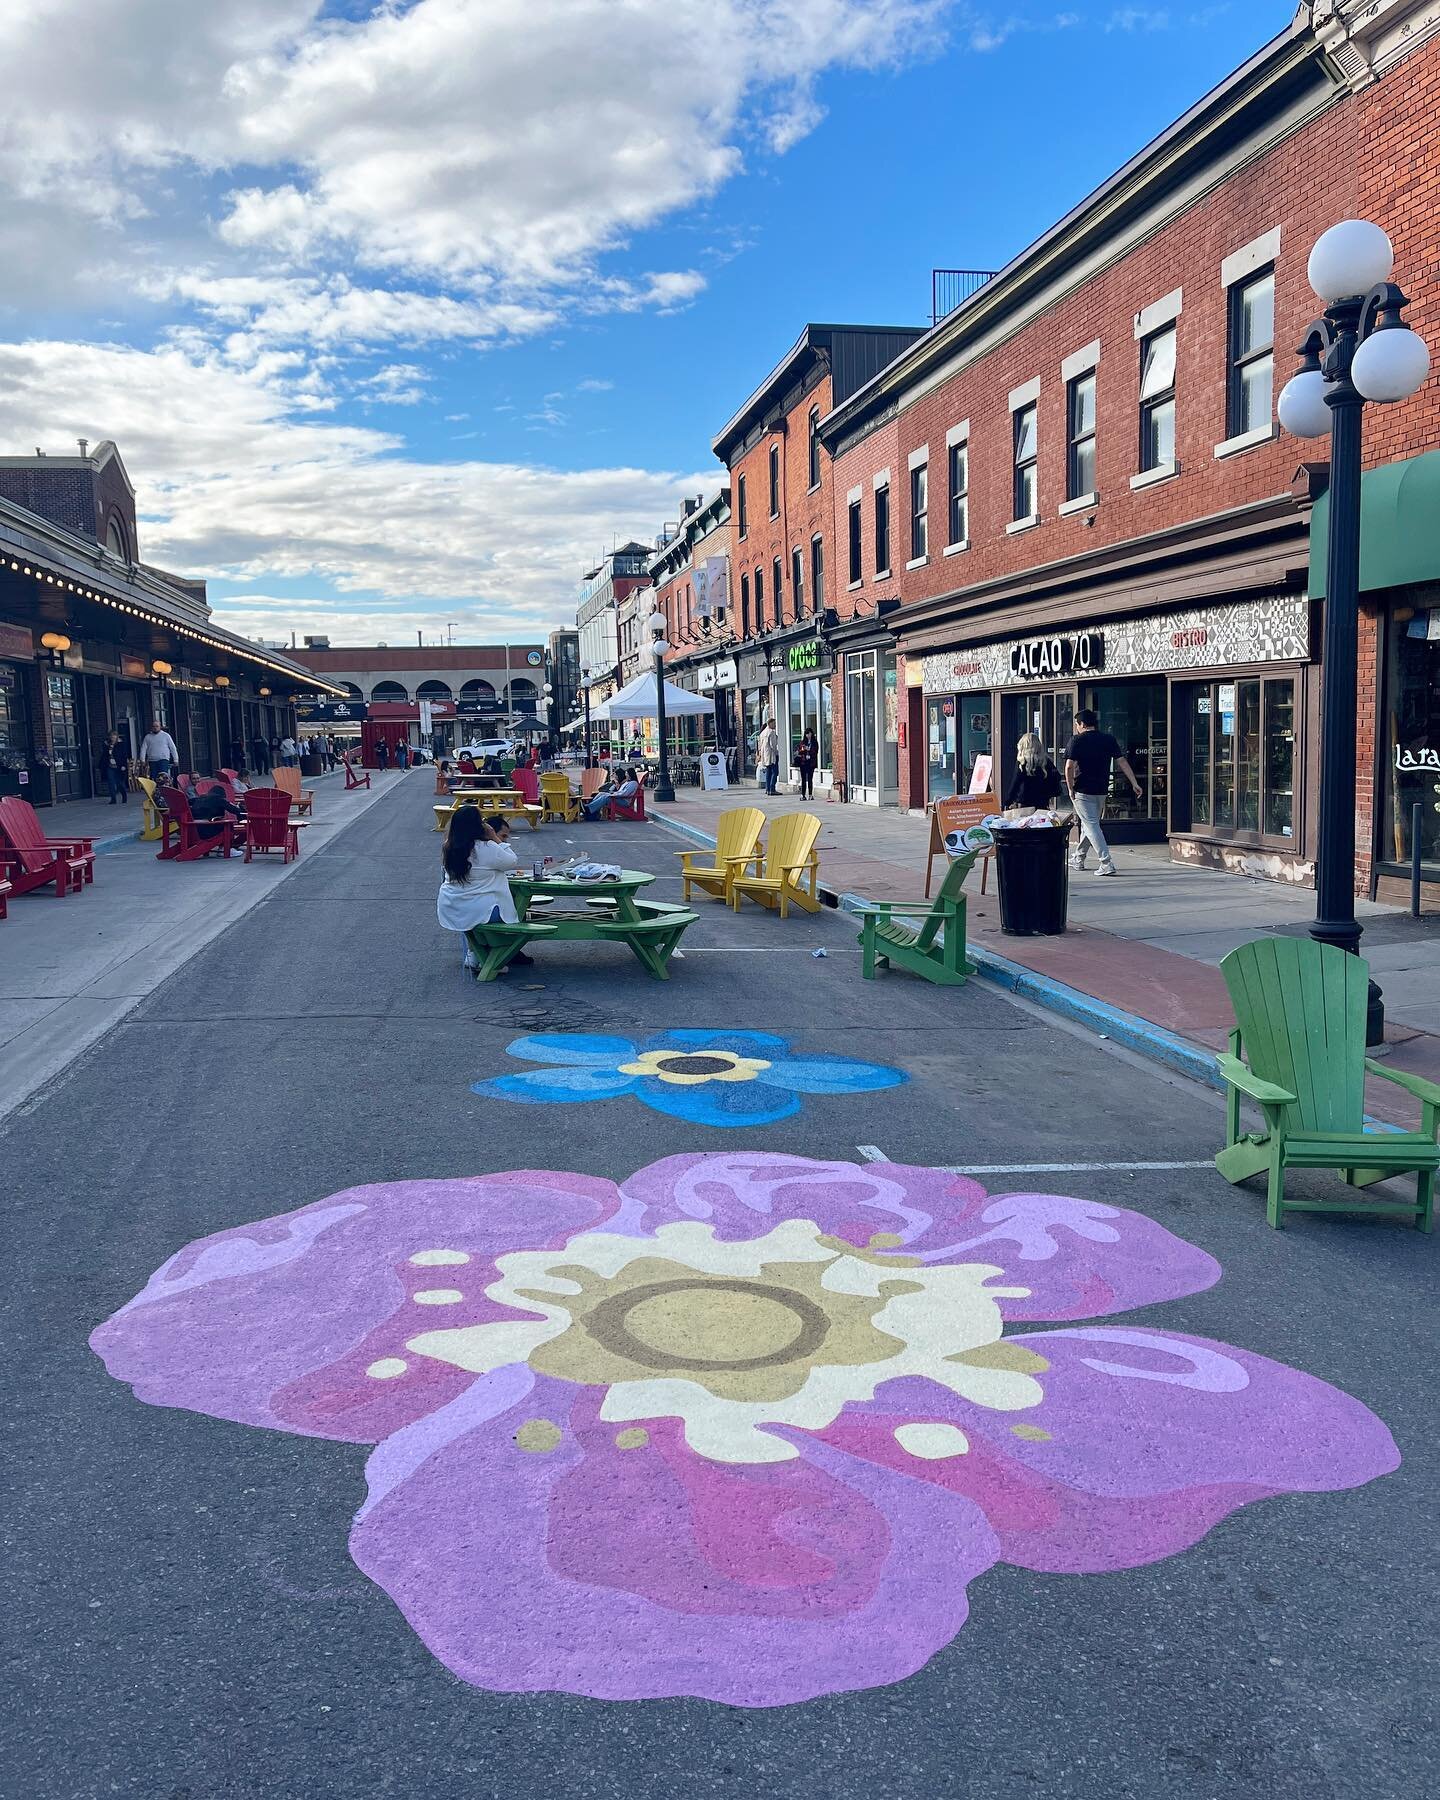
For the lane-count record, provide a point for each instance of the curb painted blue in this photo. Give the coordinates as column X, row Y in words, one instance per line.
column 104, row 845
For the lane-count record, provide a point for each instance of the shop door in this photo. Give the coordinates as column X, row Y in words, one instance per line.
column 861, row 728
column 1134, row 713
column 68, row 762
column 15, row 754
column 1049, row 713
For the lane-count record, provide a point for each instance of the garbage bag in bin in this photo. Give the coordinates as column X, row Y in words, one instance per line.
column 1032, row 870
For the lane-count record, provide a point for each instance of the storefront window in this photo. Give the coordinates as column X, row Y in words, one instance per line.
column 890, row 675
column 14, row 730
column 940, row 746
column 1242, row 755
column 1412, row 752
column 827, row 756
column 974, row 734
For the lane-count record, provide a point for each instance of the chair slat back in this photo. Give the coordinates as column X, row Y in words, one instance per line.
column 591, row 782
column 791, row 839
column 267, row 817
column 737, row 832
column 947, row 897
column 23, row 834
column 177, row 804
column 288, row 781
column 1301, row 1010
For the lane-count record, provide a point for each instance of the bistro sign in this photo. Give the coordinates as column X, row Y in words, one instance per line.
column 1042, row 659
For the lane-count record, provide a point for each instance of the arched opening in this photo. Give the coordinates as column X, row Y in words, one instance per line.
column 388, row 690
column 115, row 540
column 433, row 690
column 352, row 690
column 524, row 696
column 478, row 696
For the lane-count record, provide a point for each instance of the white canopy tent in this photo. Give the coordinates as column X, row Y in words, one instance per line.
column 640, row 699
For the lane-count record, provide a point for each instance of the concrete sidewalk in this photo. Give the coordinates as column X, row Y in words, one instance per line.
column 1146, row 945
column 72, row 968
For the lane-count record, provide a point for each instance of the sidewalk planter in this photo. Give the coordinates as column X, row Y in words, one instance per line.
column 1033, row 872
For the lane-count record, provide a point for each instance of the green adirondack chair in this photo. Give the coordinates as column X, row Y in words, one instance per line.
column 883, row 940
column 1301, row 1011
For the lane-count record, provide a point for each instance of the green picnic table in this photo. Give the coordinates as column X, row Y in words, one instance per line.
column 610, row 911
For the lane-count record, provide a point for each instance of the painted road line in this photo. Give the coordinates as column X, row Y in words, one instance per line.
column 873, row 1153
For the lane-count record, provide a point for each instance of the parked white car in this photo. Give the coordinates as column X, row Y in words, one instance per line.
column 488, row 747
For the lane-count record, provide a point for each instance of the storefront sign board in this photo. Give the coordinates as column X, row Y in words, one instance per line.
column 1275, row 628
column 15, row 640
column 1045, row 659
column 956, row 812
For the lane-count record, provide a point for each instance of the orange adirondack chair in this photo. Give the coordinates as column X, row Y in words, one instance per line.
column 288, row 781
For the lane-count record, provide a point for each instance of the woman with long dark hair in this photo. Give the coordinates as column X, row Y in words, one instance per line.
column 476, row 866
column 803, row 759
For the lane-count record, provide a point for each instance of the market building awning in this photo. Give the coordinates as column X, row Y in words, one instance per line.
column 1399, row 526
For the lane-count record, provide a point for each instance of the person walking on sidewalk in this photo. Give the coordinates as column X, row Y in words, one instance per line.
column 767, row 754
column 1088, row 757
column 115, row 763
column 158, row 753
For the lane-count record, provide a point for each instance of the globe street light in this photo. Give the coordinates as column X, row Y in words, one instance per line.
column 660, row 649
column 1359, row 349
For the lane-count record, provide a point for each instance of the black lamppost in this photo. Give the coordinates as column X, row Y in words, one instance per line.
column 1359, row 349
column 660, row 649
column 585, row 683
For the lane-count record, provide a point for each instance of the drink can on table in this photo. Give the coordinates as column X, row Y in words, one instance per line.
column 537, row 868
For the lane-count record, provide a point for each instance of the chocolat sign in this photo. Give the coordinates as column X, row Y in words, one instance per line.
column 1046, row 658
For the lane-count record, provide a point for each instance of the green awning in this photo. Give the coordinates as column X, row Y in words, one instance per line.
column 1399, row 526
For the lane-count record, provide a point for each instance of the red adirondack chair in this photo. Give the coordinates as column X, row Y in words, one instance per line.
column 183, row 837
column 268, row 825
column 29, row 859
column 352, row 779
column 634, row 806
column 4, row 890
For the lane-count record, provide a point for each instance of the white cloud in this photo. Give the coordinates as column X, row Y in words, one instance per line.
column 592, row 385
column 493, row 150
column 234, row 480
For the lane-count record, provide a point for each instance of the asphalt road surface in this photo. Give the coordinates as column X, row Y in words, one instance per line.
column 547, row 1608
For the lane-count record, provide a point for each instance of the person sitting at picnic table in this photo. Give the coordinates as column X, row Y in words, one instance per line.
column 491, row 773
column 621, row 790
column 476, row 866
column 466, row 763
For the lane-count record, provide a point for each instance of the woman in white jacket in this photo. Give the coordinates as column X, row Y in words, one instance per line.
column 475, row 889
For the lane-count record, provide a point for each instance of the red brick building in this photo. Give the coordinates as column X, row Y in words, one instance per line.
column 1087, row 499
column 783, row 590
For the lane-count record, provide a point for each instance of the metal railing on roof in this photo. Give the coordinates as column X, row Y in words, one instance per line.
column 950, row 288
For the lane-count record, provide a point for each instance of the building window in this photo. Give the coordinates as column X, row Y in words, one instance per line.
column 1242, row 756
column 959, row 493
column 919, row 511
column 814, row 465
column 1252, row 353
column 759, row 599
column 741, row 506
column 797, row 582
column 745, row 606
column 817, row 574
column 774, row 481
column 1080, row 427
column 778, row 597
column 856, row 573
column 882, row 530
column 1157, row 399
column 1412, row 709
column 1027, row 449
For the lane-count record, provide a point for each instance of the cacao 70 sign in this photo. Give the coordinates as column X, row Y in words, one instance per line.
column 1048, row 658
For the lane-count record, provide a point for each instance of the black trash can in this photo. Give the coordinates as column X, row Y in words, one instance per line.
column 1032, row 869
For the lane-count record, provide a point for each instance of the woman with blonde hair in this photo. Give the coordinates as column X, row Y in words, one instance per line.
column 1036, row 781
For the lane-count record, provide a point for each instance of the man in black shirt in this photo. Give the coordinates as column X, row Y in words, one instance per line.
column 1088, row 757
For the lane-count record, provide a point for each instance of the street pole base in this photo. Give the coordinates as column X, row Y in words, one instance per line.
column 664, row 793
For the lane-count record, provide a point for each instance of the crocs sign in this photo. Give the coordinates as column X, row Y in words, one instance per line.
column 1041, row 659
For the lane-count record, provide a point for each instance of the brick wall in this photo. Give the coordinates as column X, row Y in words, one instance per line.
column 803, row 512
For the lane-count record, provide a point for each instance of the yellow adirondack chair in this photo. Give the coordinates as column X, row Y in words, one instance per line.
column 737, row 846
column 791, row 867
column 556, row 798
column 151, row 829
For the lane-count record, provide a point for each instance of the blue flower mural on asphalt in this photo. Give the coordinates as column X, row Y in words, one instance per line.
column 708, row 1077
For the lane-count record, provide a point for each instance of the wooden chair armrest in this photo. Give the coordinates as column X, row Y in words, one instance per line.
column 908, row 909
column 1428, row 1091
column 1266, row 1092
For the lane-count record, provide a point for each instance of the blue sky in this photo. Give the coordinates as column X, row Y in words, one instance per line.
column 400, row 313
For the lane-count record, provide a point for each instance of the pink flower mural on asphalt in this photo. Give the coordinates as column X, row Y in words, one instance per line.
column 745, row 1426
